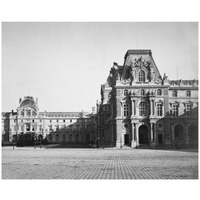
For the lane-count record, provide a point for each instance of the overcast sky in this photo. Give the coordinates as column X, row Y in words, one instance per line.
column 64, row 64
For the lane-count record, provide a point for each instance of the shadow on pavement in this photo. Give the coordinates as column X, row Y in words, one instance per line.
column 58, row 146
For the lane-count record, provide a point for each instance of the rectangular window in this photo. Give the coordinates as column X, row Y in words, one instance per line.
column 125, row 110
column 63, row 120
column 70, row 120
column 159, row 109
column 188, row 109
column 57, row 120
column 27, row 127
column 175, row 110
column 28, row 112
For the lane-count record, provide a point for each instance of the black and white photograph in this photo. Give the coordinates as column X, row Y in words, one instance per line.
column 101, row 102
column 93, row 101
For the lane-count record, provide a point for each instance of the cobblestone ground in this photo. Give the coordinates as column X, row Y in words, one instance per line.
column 29, row 163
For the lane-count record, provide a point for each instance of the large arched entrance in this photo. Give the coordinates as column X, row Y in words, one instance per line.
column 179, row 133
column 193, row 134
column 143, row 134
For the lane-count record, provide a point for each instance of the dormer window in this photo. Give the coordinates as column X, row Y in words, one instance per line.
column 159, row 92
column 174, row 93
column 141, row 76
column 188, row 93
column 28, row 112
column 125, row 92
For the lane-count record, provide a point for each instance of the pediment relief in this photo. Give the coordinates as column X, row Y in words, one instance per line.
column 130, row 73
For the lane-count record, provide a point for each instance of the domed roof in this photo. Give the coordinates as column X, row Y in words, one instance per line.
column 28, row 101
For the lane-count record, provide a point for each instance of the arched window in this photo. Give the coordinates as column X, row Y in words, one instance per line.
column 142, row 92
column 174, row 93
column 142, row 109
column 159, row 92
column 64, row 138
column 57, row 137
column 77, row 137
column 188, row 93
column 141, row 76
column 125, row 110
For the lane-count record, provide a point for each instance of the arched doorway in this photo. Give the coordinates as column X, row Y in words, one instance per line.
column 193, row 134
column 64, row 138
column 179, row 133
column 70, row 138
column 77, row 137
column 143, row 134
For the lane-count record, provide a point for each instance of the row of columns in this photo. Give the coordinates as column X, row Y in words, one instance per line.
column 135, row 133
column 152, row 107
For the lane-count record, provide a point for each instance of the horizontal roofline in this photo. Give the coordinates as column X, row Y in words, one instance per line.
column 138, row 51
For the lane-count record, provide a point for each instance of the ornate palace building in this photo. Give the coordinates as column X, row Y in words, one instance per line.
column 139, row 107
column 28, row 124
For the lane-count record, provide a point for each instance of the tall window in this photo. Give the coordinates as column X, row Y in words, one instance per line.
column 141, row 76
column 188, row 93
column 142, row 92
column 143, row 109
column 174, row 93
column 159, row 92
column 28, row 112
column 126, row 110
column 175, row 110
column 188, row 108
column 125, row 92
column 57, row 137
column 159, row 109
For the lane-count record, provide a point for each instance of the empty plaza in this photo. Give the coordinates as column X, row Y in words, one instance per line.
column 30, row 163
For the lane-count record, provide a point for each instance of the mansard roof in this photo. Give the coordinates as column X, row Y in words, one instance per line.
column 138, row 52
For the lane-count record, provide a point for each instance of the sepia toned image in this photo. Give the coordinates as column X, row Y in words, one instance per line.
column 99, row 100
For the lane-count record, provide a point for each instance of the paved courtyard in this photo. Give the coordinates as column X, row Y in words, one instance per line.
column 29, row 163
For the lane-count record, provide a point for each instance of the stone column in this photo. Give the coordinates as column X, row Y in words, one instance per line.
column 150, row 107
column 133, row 142
column 24, row 126
column 155, row 135
column 163, row 110
column 153, row 107
column 152, row 136
column 118, row 134
column 186, row 135
column 133, row 107
column 136, row 135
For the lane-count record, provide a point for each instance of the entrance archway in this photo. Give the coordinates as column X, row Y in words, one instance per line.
column 193, row 134
column 143, row 134
column 179, row 133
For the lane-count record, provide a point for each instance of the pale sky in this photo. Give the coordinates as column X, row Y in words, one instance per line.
column 64, row 64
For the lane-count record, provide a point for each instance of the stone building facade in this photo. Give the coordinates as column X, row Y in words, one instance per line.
column 28, row 124
column 139, row 107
